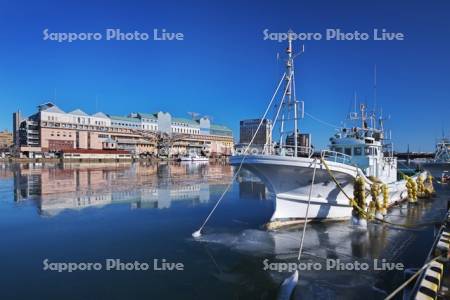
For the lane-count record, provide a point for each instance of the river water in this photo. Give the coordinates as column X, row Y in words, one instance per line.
column 54, row 214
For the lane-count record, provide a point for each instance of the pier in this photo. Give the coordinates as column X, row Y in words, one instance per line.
column 414, row 155
column 433, row 280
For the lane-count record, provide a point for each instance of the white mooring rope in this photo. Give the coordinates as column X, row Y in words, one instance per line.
column 289, row 284
column 307, row 210
column 198, row 233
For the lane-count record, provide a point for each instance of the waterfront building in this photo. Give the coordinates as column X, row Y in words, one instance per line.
column 185, row 126
column 52, row 130
column 263, row 138
column 17, row 118
column 303, row 143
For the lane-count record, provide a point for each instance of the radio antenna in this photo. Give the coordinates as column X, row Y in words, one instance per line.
column 375, row 88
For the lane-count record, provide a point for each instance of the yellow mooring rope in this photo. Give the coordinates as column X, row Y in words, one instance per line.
column 362, row 211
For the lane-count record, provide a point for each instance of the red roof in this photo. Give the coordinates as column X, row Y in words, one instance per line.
column 94, row 151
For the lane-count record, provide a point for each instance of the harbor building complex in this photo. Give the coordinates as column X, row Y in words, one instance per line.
column 52, row 131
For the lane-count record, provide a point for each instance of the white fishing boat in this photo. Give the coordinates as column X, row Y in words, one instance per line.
column 287, row 168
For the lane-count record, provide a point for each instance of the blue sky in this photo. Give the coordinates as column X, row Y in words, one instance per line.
column 223, row 67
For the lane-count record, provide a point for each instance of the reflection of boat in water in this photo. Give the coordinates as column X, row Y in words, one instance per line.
column 323, row 243
column 326, row 242
column 287, row 170
column 327, row 239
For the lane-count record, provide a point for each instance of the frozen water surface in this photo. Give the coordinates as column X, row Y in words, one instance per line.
column 146, row 211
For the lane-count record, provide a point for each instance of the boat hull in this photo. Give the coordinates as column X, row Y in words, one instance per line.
column 289, row 180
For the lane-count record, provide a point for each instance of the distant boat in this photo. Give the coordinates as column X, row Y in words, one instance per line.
column 442, row 154
column 441, row 160
column 196, row 157
column 445, row 177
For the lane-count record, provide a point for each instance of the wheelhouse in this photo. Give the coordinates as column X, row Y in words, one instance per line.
column 363, row 148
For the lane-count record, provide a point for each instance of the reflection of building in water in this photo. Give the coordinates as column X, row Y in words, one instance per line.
column 53, row 204
column 250, row 189
column 34, row 180
column 251, row 186
column 163, row 197
column 77, row 186
column 5, row 171
column 26, row 184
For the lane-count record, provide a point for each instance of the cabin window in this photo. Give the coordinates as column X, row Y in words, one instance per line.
column 357, row 151
column 338, row 149
column 348, row 151
column 371, row 151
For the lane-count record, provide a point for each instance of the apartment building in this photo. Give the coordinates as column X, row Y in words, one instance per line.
column 263, row 138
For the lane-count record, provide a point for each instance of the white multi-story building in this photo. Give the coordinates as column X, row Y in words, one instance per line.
column 148, row 121
column 185, row 126
column 52, row 113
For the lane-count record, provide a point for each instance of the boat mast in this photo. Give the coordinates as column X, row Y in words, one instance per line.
column 288, row 100
column 289, row 84
column 362, row 107
column 281, row 130
column 374, row 123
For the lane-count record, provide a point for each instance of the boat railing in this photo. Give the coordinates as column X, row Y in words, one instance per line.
column 286, row 150
column 390, row 159
column 336, row 156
